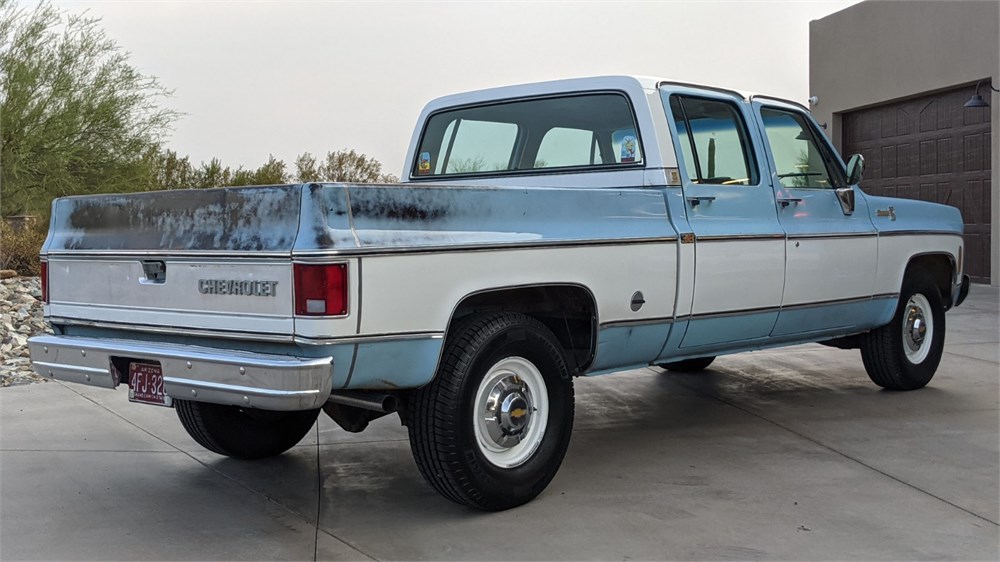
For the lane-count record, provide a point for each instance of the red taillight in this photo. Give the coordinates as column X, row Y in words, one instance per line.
column 320, row 290
column 44, row 275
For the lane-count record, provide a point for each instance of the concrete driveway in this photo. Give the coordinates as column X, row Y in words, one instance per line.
column 784, row 454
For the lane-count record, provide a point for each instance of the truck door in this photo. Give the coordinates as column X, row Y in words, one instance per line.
column 831, row 251
column 739, row 244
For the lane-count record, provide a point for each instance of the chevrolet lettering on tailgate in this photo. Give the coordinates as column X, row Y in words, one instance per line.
column 237, row 287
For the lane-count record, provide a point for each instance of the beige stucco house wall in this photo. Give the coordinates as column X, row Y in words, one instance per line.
column 880, row 51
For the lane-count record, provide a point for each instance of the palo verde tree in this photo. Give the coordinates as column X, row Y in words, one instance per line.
column 170, row 171
column 75, row 116
column 341, row 166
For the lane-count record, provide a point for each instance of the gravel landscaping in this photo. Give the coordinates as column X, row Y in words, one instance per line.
column 20, row 318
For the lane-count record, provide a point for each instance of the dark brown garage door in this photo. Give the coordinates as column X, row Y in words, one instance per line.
column 934, row 149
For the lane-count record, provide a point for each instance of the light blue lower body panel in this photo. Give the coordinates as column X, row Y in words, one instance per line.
column 793, row 326
column 716, row 335
column 394, row 364
column 622, row 347
column 858, row 315
column 717, row 330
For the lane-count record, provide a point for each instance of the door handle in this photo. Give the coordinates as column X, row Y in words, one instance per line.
column 695, row 201
column 786, row 201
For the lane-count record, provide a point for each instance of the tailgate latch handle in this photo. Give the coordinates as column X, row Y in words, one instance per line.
column 153, row 272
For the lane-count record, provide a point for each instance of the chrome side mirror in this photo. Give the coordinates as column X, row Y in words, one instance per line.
column 846, row 197
column 855, row 169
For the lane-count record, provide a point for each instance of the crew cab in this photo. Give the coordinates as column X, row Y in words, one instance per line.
column 541, row 232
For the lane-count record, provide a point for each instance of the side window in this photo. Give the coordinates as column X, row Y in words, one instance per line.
column 714, row 142
column 799, row 160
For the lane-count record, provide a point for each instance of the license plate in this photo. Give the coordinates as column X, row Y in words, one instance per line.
column 145, row 384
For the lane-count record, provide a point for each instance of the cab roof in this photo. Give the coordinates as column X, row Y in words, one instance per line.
column 619, row 82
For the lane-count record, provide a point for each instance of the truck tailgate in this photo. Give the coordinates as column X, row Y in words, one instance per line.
column 237, row 295
column 217, row 260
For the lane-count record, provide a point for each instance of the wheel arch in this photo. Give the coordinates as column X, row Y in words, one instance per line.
column 569, row 310
column 940, row 266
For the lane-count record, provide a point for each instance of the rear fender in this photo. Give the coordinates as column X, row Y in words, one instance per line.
column 568, row 310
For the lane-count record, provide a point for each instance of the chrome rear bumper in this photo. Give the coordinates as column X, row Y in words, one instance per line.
column 239, row 378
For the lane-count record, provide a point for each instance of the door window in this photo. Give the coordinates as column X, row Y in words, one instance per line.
column 713, row 140
column 799, row 160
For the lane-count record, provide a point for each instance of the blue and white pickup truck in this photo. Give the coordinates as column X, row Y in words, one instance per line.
column 541, row 232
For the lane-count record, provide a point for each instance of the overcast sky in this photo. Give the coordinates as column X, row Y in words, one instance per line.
column 283, row 78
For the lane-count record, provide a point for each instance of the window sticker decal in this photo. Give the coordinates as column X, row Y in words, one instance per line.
column 628, row 148
column 424, row 163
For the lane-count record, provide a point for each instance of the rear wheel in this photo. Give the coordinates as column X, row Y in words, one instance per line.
column 688, row 365
column 905, row 353
column 492, row 428
column 243, row 433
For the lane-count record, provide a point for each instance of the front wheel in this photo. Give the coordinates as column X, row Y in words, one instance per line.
column 243, row 433
column 905, row 353
column 492, row 428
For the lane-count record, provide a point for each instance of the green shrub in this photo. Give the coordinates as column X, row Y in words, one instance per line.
column 19, row 248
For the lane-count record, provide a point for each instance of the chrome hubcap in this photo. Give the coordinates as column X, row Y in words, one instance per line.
column 511, row 412
column 918, row 328
column 508, row 411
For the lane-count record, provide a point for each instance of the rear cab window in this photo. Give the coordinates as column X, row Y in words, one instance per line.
column 576, row 132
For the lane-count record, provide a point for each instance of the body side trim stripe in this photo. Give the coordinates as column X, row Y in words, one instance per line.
column 918, row 233
column 327, row 340
column 840, row 301
column 739, row 237
column 543, row 245
column 637, row 322
column 740, row 312
column 871, row 234
column 727, row 237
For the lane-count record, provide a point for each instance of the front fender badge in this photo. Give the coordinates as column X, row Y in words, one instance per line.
column 891, row 213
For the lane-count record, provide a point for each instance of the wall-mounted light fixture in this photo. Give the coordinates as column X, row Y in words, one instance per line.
column 977, row 100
